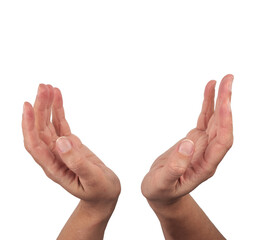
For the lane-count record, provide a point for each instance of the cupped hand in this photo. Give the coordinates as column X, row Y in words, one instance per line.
column 195, row 158
column 61, row 154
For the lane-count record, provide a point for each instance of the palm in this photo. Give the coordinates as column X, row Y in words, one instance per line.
column 47, row 132
column 212, row 139
column 41, row 133
column 202, row 141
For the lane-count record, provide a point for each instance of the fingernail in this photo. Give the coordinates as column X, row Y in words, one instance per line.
column 230, row 84
column 229, row 105
column 24, row 107
column 63, row 144
column 186, row 148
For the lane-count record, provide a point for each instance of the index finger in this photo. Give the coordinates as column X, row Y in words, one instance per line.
column 223, row 141
column 34, row 145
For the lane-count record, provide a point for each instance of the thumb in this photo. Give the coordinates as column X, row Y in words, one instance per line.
column 73, row 157
column 178, row 161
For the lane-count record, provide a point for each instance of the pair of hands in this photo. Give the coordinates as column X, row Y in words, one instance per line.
column 174, row 174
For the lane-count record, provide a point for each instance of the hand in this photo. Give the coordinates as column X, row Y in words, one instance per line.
column 195, row 158
column 61, row 154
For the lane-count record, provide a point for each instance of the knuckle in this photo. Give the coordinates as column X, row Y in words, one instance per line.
column 28, row 147
column 48, row 173
column 210, row 171
column 146, row 193
column 229, row 141
column 75, row 163
column 175, row 170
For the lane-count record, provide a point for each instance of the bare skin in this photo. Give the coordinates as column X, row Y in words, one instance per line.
column 71, row 164
column 187, row 164
column 171, row 178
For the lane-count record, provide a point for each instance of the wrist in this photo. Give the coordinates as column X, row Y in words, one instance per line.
column 98, row 212
column 184, row 219
column 88, row 221
column 170, row 209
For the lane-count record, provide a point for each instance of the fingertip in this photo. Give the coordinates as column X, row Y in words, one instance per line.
column 57, row 91
column 230, row 76
column 41, row 87
column 50, row 87
column 24, row 106
column 225, row 86
column 28, row 117
column 227, row 77
column 227, row 80
column 58, row 100
column 210, row 88
column 212, row 82
column 27, row 107
column 42, row 90
column 209, row 84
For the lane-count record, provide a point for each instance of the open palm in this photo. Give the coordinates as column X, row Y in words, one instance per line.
column 173, row 174
column 78, row 170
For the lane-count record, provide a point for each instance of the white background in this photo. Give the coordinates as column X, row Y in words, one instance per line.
column 132, row 75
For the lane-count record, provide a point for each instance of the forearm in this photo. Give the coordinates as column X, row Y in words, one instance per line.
column 86, row 223
column 185, row 220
